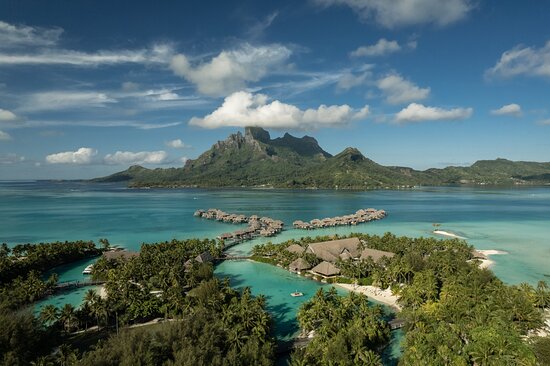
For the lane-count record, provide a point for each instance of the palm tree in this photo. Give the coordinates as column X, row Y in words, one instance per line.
column 66, row 356
column 49, row 314
column 68, row 317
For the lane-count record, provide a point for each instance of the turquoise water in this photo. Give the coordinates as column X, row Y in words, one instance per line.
column 513, row 220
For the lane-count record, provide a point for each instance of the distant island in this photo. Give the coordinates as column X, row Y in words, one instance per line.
column 256, row 160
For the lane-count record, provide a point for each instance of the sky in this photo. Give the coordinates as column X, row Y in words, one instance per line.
column 90, row 87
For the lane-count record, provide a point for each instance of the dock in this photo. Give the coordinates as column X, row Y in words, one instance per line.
column 68, row 285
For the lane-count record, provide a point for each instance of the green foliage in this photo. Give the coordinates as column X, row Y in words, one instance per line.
column 541, row 348
column 289, row 162
column 348, row 331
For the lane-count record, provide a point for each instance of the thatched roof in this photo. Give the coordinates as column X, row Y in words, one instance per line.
column 330, row 250
column 295, row 248
column 326, row 269
column 204, row 257
column 299, row 264
column 375, row 254
column 120, row 254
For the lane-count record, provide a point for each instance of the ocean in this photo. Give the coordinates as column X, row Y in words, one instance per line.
column 513, row 220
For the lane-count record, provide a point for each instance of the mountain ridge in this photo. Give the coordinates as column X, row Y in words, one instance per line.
column 255, row 159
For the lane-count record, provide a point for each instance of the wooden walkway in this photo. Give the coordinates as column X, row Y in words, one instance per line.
column 76, row 284
column 232, row 258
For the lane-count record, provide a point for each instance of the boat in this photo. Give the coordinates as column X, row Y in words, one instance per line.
column 88, row 269
column 296, row 294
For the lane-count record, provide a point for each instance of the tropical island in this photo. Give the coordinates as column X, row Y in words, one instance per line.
column 164, row 304
column 256, row 160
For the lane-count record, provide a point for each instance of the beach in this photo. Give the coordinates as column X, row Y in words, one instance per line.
column 375, row 293
column 448, row 234
column 487, row 263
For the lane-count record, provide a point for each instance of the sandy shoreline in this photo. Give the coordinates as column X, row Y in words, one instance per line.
column 486, row 263
column 448, row 234
column 383, row 296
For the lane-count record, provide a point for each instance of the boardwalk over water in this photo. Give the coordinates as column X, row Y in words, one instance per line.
column 68, row 285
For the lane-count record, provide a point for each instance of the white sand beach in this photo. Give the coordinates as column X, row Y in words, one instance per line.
column 486, row 263
column 383, row 296
column 448, row 234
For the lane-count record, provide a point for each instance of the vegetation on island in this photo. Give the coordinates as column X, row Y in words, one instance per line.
column 256, row 159
column 204, row 320
column 347, row 330
column 455, row 312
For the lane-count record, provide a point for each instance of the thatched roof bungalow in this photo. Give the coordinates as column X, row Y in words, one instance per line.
column 326, row 269
column 330, row 251
column 375, row 254
column 299, row 265
column 295, row 248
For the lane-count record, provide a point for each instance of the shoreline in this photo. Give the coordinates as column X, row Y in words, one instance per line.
column 448, row 234
column 375, row 293
column 488, row 262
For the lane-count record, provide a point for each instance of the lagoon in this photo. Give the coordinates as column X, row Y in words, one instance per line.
column 514, row 220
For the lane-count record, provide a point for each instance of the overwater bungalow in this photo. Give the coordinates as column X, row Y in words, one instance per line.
column 326, row 269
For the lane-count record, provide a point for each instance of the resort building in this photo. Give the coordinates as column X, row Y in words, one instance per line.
column 295, row 248
column 375, row 254
column 333, row 250
column 299, row 265
column 119, row 254
column 325, row 269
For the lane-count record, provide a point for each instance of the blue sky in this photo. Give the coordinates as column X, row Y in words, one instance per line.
column 88, row 88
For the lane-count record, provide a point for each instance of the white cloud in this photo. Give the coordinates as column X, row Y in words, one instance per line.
column 399, row 90
column 231, row 70
column 100, row 123
column 158, row 54
column 4, row 136
column 521, row 60
column 132, row 158
column 82, row 156
column 7, row 116
column 419, row 113
column 10, row 158
column 56, row 100
column 176, row 144
column 21, row 35
column 381, row 48
column 350, row 80
column 544, row 122
column 508, row 110
column 396, row 13
column 130, row 86
column 243, row 109
column 184, row 159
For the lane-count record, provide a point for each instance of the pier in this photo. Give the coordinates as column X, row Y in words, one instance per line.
column 68, row 285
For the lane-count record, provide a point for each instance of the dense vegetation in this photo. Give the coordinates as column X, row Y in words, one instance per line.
column 348, row 331
column 289, row 162
column 206, row 322
column 456, row 313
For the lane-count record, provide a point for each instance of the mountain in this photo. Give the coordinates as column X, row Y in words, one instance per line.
column 255, row 159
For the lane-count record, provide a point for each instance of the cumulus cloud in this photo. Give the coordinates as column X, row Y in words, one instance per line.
column 243, row 109
column 544, row 122
column 396, row 13
column 350, row 80
column 508, row 110
column 176, row 144
column 521, row 60
column 419, row 113
column 22, row 35
column 82, row 156
column 7, row 116
column 184, row 159
column 54, row 100
column 231, row 70
column 399, row 90
column 380, row 48
column 131, row 158
column 4, row 136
